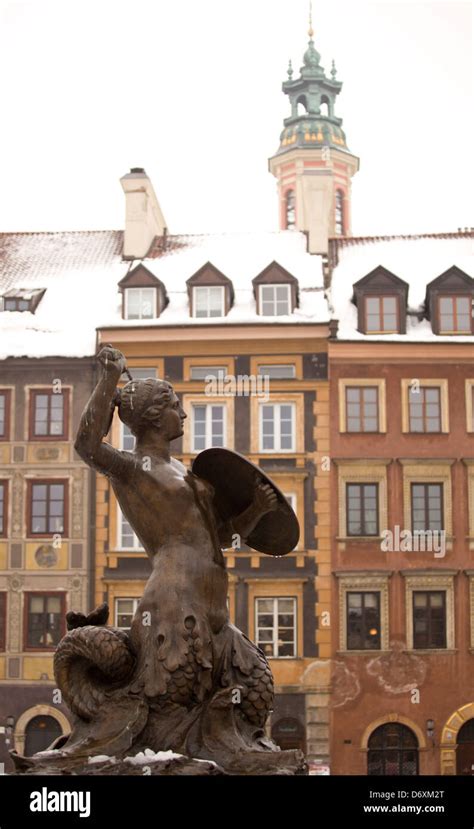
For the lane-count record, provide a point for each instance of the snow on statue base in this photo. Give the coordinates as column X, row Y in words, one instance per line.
column 184, row 679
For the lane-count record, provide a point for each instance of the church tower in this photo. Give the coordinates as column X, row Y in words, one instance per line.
column 313, row 165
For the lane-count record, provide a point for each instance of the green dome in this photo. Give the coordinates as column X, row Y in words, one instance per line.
column 312, row 132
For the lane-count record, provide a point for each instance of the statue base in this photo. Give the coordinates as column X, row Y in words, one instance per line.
column 163, row 763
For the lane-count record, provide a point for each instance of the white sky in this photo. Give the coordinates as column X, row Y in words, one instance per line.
column 191, row 90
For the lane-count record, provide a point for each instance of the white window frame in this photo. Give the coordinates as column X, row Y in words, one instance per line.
column 274, row 285
column 277, row 431
column 140, row 291
column 275, row 600
column 136, row 543
column 118, row 599
column 208, row 436
column 205, row 291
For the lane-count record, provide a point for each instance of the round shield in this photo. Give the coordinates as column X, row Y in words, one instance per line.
column 234, row 478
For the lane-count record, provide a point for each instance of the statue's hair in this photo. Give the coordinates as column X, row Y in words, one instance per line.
column 137, row 397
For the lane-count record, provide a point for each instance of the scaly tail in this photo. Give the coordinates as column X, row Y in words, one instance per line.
column 88, row 662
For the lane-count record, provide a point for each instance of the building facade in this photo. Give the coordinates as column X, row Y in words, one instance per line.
column 45, row 499
column 240, row 328
column 402, row 441
column 46, row 493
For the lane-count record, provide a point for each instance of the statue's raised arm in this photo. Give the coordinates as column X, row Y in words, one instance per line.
column 97, row 418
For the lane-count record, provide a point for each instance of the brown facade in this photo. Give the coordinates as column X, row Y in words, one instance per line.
column 394, row 680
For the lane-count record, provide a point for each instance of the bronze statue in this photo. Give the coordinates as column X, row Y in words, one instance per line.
column 185, row 679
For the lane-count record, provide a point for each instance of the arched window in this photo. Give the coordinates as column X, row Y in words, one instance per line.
column 393, row 750
column 40, row 733
column 324, row 106
column 290, row 213
column 301, row 105
column 465, row 749
column 339, row 213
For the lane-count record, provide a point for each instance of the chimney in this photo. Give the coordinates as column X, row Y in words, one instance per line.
column 143, row 217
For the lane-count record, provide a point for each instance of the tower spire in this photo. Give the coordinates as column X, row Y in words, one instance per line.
column 313, row 165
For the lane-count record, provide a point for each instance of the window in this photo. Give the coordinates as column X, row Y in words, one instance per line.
column 426, row 507
column 201, row 372
column 208, row 301
column 381, row 314
column 455, row 314
column 362, row 509
column 140, row 303
column 276, row 626
column 48, row 414
column 127, row 438
column 142, row 373
column 15, row 304
column 5, row 414
column 277, row 429
column 44, row 619
column 470, row 405
column 364, row 611
column 393, row 751
column 424, row 404
column 125, row 610
column 339, row 213
column 290, row 210
column 47, row 507
column 278, row 372
column 128, row 540
column 429, row 619
column 208, row 424
column 22, row 299
column 3, row 620
column 3, row 507
column 363, row 620
column 275, row 300
column 362, row 409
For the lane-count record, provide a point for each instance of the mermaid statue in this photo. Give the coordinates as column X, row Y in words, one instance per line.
column 184, row 678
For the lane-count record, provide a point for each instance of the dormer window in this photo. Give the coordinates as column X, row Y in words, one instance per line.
column 449, row 302
column 143, row 295
column 276, row 291
column 274, row 300
column 209, row 301
column 455, row 315
column 381, row 315
column 22, row 299
column 140, row 303
column 381, row 299
column 210, row 293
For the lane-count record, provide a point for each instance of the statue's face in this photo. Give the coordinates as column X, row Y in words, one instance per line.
column 171, row 418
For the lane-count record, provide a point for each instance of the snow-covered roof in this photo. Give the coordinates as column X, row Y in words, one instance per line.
column 81, row 270
column 415, row 259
